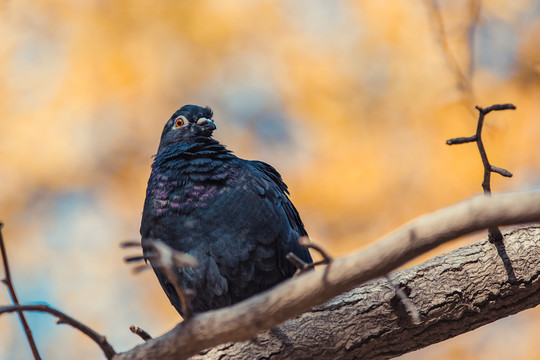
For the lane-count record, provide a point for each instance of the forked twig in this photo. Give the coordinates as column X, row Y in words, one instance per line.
column 65, row 319
column 166, row 259
column 9, row 283
column 494, row 232
column 303, row 266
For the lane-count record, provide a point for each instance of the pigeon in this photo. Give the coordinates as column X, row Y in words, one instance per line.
column 232, row 215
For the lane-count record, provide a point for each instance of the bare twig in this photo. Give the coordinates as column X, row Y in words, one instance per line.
column 501, row 171
column 474, row 17
column 138, row 268
column 303, row 266
column 133, row 258
column 486, row 184
column 437, row 20
column 130, row 243
column 65, row 319
column 300, row 264
column 326, row 258
column 9, row 283
column 166, row 260
column 449, row 292
column 183, row 294
column 496, row 107
column 494, row 232
column 140, row 332
column 292, row 297
column 461, row 140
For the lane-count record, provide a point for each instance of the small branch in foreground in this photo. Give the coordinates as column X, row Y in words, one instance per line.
column 494, row 232
column 166, row 259
column 501, row 171
column 65, row 319
column 134, row 258
column 461, row 140
column 300, row 264
column 326, row 258
column 242, row 321
column 140, row 332
column 130, row 243
column 9, row 283
column 450, row 292
column 303, row 266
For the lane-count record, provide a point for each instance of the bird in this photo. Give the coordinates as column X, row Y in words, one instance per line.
column 234, row 216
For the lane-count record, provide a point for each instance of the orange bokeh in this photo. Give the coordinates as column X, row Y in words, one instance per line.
column 351, row 101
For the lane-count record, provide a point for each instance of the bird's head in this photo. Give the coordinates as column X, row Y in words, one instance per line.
column 187, row 124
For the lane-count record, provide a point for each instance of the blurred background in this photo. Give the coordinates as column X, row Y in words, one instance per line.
column 351, row 101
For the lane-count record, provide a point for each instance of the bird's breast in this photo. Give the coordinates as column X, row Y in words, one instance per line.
column 168, row 195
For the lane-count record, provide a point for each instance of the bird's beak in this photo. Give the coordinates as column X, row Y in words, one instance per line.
column 205, row 121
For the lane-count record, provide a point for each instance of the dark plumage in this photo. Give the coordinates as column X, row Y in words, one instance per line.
column 231, row 214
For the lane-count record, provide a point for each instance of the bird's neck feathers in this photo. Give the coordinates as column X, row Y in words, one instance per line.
column 196, row 160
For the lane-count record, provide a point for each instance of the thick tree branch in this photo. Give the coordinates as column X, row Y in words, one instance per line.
column 454, row 293
column 266, row 310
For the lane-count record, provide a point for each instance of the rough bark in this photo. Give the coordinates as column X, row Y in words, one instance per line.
column 267, row 310
column 454, row 293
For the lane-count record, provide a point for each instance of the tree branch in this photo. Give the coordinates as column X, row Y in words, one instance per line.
column 140, row 332
column 494, row 232
column 166, row 259
column 11, row 288
column 268, row 309
column 301, row 265
column 472, row 289
column 65, row 319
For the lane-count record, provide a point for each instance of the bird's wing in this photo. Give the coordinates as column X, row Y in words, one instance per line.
column 250, row 228
column 276, row 192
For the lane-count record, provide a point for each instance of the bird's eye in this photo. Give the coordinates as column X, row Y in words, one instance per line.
column 180, row 121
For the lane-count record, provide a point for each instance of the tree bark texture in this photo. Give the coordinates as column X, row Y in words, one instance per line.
column 269, row 309
column 453, row 293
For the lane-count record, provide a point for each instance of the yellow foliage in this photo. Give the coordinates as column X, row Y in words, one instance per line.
column 366, row 93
